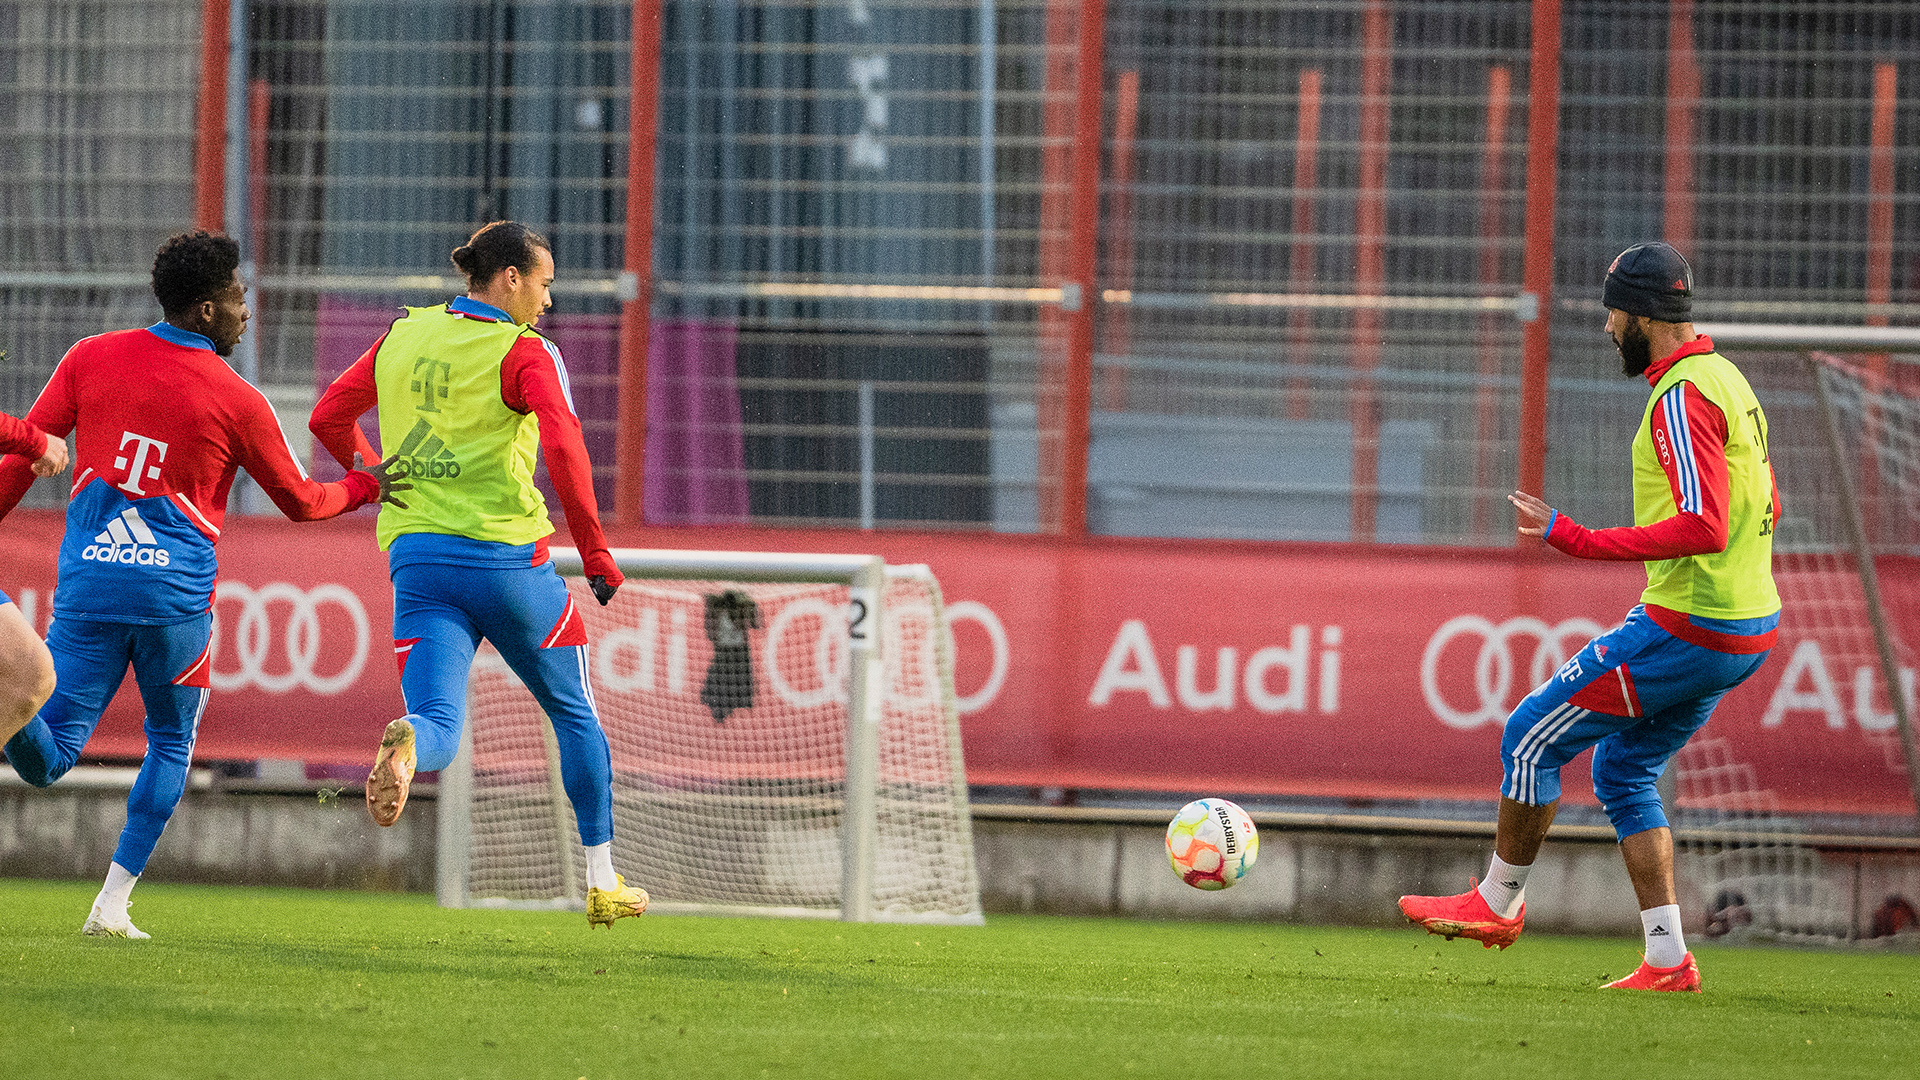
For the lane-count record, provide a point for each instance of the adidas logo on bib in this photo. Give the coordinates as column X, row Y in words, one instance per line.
column 128, row 541
column 424, row 457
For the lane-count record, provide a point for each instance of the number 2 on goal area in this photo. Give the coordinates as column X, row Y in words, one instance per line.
column 859, row 606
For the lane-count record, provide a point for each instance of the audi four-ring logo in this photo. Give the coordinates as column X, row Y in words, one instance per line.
column 1493, row 667
column 804, row 653
column 829, row 654
column 259, row 629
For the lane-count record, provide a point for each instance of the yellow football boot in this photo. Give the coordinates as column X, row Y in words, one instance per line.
column 620, row 902
column 392, row 774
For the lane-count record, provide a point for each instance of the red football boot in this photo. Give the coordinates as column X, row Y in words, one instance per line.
column 1684, row 976
column 1466, row 915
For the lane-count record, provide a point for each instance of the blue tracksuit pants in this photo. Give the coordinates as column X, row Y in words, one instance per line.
column 441, row 610
column 1635, row 694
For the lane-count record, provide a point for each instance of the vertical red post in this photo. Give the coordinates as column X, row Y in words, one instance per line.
column 1683, row 103
column 1543, row 154
column 210, row 128
column 1085, row 218
column 1069, row 224
column 1300, row 268
column 1493, row 172
column 1055, row 262
column 1879, row 269
column 643, row 114
column 1370, row 266
column 1880, row 197
column 259, row 115
column 1117, row 337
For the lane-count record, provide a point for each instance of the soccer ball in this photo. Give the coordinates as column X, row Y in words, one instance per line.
column 1212, row 844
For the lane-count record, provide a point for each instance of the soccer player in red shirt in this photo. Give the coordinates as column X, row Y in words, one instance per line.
column 162, row 423
column 26, row 667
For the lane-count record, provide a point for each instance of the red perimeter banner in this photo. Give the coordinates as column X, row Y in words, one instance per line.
column 1325, row 670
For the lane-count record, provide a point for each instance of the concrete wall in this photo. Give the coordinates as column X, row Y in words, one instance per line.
column 221, row 837
column 1307, row 877
column 262, row 837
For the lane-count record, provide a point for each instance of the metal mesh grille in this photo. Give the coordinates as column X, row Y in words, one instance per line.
column 96, row 112
column 383, row 134
column 1780, row 177
column 1311, row 227
column 1306, row 211
column 848, row 212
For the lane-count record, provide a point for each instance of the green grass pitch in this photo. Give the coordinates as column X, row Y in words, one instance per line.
column 305, row 985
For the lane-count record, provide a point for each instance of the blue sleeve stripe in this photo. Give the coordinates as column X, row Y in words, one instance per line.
column 1686, row 470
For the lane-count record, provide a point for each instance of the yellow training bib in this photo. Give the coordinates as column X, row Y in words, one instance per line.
column 469, row 457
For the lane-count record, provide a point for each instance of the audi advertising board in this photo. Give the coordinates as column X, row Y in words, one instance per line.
column 1325, row 670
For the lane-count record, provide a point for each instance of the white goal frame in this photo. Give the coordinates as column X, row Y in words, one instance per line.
column 866, row 577
column 1815, row 342
column 1757, row 871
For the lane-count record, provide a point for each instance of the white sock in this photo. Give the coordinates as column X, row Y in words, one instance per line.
column 1666, row 947
column 114, row 895
column 600, row 867
column 1504, row 887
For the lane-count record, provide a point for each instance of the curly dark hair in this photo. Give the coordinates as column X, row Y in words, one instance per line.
column 494, row 247
column 191, row 267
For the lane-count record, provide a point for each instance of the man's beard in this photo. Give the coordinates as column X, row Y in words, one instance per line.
column 1636, row 350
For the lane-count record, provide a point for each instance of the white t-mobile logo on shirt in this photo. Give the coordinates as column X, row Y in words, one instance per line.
column 140, row 470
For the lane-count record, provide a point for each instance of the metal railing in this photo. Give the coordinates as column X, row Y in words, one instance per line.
column 1310, row 222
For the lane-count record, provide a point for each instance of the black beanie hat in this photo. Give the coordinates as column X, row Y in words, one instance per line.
column 1651, row 280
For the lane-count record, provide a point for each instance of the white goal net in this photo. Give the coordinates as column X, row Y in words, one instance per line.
column 763, row 763
column 1845, row 448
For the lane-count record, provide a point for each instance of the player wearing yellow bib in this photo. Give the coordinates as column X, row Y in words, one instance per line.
column 469, row 393
column 1704, row 510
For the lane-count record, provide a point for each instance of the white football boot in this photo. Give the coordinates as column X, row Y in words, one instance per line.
column 99, row 925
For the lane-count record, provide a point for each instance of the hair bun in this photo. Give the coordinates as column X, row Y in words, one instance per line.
column 495, row 246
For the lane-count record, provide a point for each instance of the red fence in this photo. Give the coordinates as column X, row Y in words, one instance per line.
column 1328, row 670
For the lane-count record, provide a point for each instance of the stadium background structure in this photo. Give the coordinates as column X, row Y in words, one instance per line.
column 908, row 266
column 1283, row 271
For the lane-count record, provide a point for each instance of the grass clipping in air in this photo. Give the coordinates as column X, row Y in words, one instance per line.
column 278, row 983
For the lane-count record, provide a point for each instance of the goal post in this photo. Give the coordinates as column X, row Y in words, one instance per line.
column 1863, row 388
column 1843, row 404
column 1874, row 411
column 784, row 737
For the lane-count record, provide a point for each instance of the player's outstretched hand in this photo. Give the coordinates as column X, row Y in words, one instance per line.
column 602, row 591
column 389, row 481
column 52, row 461
column 1533, row 513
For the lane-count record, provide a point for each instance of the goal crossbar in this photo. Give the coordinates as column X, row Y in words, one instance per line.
column 662, row 564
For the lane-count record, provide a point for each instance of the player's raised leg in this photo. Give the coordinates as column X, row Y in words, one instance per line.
column 89, row 659
column 1570, row 712
column 433, row 642
column 26, row 670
